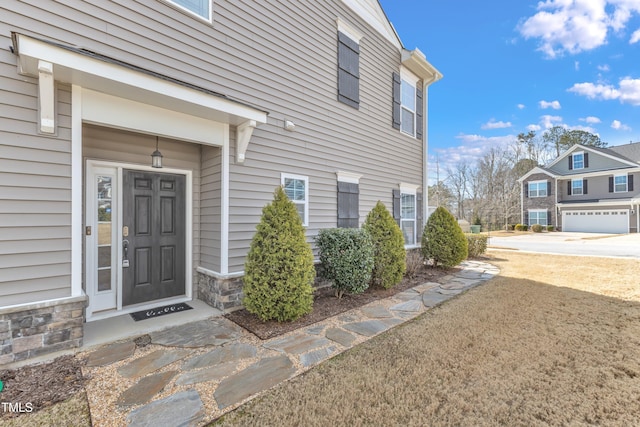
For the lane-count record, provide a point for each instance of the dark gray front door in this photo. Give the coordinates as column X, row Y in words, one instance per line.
column 153, row 236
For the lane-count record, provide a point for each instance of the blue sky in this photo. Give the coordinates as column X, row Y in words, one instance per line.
column 514, row 66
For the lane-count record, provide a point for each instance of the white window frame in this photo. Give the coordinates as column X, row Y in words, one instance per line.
column 626, row 183
column 537, row 192
column 538, row 212
column 410, row 190
column 411, row 79
column 573, row 156
column 573, row 187
column 283, row 177
column 208, row 18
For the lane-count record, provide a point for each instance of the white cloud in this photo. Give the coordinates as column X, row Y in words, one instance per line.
column 618, row 125
column 591, row 120
column 534, row 128
column 576, row 65
column 548, row 121
column 553, row 104
column 573, row 26
column 492, row 124
column 635, row 37
column 521, row 106
column 627, row 92
column 603, row 67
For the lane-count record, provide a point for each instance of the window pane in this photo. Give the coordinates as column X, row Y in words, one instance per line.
column 576, row 187
column 104, row 256
column 104, row 280
column 200, row 7
column 407, row 121
column 408, row 230
column 621, row 183
column 294, row 188
column 578, row 161
column 408, row 206
column 408, row 95
column 300, row 209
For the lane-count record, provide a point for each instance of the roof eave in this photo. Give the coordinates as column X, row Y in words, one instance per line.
column 416, row 62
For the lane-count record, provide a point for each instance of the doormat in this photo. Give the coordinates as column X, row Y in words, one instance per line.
column 160, row 311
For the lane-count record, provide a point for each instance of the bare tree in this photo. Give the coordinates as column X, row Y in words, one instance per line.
column 457, row 178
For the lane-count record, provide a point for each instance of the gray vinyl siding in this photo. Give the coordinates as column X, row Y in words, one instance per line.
column 598, row 189
column 102, row 143
column 250, row 53
column 35, row 192
column 210, row 209
column 597, row 163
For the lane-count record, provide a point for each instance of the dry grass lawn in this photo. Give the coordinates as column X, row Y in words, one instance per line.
column 552, row 341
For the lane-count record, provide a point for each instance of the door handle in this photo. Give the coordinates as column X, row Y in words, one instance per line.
column 125, row 253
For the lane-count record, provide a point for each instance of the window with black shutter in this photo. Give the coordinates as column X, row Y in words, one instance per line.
column 348, row 205
column 348, row 70
column 408, row 105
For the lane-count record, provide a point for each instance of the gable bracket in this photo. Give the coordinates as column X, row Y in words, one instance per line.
column 243, row 135
column 46, row 98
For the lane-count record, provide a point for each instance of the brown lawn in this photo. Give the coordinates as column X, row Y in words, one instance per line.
column 552, row 341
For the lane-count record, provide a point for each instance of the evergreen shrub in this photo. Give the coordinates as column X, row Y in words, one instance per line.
column 536, row 228
column 388, row 245
column 346, row 255
column 279, row 271
column 443, row 241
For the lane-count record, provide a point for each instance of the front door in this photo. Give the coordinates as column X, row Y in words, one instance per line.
column 153, row 236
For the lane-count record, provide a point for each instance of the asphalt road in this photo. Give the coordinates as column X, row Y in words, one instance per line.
column 585, row 244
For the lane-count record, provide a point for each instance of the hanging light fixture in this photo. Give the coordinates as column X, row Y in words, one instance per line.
column 156, row 157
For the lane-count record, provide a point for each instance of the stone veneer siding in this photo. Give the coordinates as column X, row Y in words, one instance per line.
column 224, row 294
column 41, row 328
column 548, row 203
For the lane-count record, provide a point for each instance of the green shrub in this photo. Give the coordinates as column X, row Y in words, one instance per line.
column 388, row 245
column 346, row 255
column 511, row 227
column 279, row 269
column 518, row 227
column 536, row 228
column 443, row 240
column 477, row 245
column 525, row 227
column 550, row 228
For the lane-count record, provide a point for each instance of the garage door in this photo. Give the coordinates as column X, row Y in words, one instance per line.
column 596, row 221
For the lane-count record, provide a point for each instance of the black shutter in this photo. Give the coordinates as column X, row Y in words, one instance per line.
column 548, row 217
column 419, row 113
column 396, row 206
column 526, row 217
column 419, row 214
column 610, row 184
column 569, row 188
column 396, row 101
column 348, row 205
column 570, row 162
column 548, row 188
column 630, row 182
column 526, row 189
column 348, row 71
column 584, row 186
column 586, row 160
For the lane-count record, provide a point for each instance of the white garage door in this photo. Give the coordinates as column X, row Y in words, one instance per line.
column 596, row 221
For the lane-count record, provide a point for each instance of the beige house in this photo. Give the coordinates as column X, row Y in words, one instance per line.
column 236, row 100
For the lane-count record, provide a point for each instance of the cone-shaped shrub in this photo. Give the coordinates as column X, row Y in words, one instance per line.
column 443, row 240
column 279, row 270
column 388, row 246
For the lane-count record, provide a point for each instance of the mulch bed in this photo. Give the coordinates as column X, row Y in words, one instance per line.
column 326, row 304
column 41, row 385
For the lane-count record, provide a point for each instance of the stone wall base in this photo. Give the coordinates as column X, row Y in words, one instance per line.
column 224, row 294
column 37, row 329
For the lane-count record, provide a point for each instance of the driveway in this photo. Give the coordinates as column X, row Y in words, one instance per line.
column 585, row 244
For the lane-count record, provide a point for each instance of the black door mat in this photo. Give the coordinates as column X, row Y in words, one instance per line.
column 160, row 311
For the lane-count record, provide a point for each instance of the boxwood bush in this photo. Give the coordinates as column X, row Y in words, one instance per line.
column 477, row 244
column 346, row 255
column 443, row 241
column 388, row 245
column 279, row 271
column 536, row 228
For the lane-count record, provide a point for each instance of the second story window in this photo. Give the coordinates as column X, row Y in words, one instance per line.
column 620, row 183
column 407, row 103
column 578, row 160
column 538, row 189
column 202, row 8
column 577, row 187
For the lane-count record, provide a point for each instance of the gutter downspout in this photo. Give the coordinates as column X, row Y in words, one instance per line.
column 425, row 151
column 557, row 209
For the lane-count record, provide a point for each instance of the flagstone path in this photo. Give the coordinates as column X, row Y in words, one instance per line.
column 192, row 374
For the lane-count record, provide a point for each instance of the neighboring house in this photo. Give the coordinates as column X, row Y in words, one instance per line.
column 586, row 189
column 237, row 98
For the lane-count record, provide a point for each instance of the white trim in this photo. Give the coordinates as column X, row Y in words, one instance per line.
column 407, row 75
column 218, row 275
column 243, row 135
column 408, row 188
column 573, row 160
column 224, row 204
column 541, row 181
column 411, row 190
column 352, row 178
column 538, row 211
column 77, row 213
column 371, row 12
column 536, row 170
column 586, row 148
column 613, row 202
column 284, row 176
column 581, row 187
column 348, row 30
column 46, row 98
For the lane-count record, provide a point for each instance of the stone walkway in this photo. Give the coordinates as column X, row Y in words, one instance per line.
column 194, row 373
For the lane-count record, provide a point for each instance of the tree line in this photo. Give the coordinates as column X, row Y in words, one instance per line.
column 487, row 191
